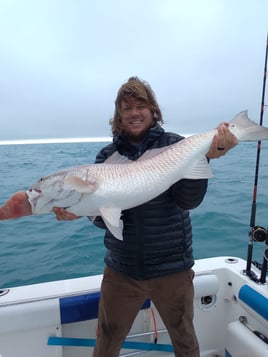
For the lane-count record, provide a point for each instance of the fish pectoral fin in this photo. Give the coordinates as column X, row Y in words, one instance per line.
column 80, row 185
column 200, row 170
column 112, row 220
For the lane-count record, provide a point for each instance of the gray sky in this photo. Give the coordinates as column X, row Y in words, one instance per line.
column 62, row 62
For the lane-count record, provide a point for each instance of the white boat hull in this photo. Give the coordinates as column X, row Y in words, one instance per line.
column 224, row 299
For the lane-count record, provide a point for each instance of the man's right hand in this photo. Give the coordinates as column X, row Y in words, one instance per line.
column 63, row 215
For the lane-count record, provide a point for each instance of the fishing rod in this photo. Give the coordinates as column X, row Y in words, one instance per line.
column 258, row 233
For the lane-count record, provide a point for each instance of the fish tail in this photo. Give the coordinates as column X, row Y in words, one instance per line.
column 247, row 130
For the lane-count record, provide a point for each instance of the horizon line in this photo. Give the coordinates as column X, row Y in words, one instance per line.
column 98, row 139
column 55, row 140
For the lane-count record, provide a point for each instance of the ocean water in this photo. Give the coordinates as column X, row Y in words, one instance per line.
column 37, row 249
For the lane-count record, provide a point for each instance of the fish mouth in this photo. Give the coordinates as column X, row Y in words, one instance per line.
column 34, row 192
column 33, row 195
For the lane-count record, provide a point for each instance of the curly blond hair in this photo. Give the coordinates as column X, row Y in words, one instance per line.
column 139, row 90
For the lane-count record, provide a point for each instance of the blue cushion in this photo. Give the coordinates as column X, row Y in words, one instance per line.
column 254, row 300
column 83, row 307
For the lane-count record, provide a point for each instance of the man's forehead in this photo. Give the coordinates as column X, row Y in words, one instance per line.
column 131, row 101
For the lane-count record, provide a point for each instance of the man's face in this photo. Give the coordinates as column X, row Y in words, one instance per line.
column 137, row 119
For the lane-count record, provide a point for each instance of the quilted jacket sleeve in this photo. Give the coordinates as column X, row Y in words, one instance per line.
column 188, row 194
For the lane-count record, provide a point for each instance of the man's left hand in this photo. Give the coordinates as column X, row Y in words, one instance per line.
column 222, row 142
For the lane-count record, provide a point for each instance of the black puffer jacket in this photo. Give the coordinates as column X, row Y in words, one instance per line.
column 157, row 236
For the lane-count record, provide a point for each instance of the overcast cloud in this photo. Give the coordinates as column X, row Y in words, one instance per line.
column 62, row 62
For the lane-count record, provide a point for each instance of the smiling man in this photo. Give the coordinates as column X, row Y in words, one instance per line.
column 154, row 260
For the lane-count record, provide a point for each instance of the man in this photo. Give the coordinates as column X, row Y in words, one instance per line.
column 155, row 259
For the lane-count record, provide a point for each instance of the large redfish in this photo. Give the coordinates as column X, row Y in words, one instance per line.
column 118, row 184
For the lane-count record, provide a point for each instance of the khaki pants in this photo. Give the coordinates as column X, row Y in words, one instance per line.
column 122, row 298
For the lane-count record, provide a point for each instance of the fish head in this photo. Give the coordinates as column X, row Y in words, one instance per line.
column 49, row 192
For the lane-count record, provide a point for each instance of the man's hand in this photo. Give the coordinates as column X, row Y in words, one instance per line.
column 63, row 215
column 222, row 142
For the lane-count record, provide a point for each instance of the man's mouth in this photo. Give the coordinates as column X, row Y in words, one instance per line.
column 136, row 122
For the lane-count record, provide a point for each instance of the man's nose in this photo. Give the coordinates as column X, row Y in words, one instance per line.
column 135, row 111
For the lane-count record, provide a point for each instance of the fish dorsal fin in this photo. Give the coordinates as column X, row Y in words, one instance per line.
column 80, row 185
column 116, row 158
column 111, row 217
column 201, row 170
column 151, row 153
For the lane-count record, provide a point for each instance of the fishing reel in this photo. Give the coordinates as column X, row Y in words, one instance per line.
column 259, row 234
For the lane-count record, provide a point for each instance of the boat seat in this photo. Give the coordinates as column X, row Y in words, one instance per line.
column 253, row 299
column 83, row 307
